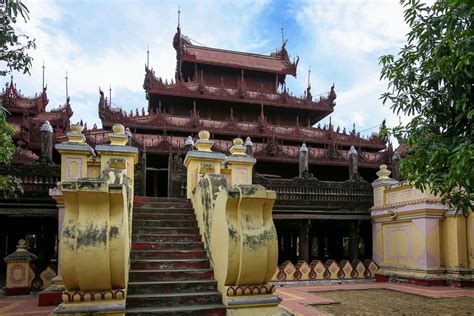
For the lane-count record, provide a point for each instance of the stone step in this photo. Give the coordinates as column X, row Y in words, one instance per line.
column 176, row 246
column 165, row 230
column 166, row 238
column 162, row 205
column 171, row 286
column 164, row 210
column 178, row 274
column 168, row 254
column 174, row 299
column 191, row 310
column 164, row 216
column 163, row 223
column 169, row 264
column 138, row 198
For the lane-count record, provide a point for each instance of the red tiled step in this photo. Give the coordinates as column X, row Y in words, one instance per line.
column 201, row 310
column 178, row 274
column 165, row 230
column 138, row 199
column 163, row 211
column 166, row 238
column 163, row 264
column 162, row 205
column 163, row 223
column 168, row 254
column 176, row 246
column 182, row 286
column 174, row 299
column 164, row 216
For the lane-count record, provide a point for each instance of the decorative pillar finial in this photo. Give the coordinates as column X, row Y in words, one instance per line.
column 353, row 164
column 383, row 173
column 238, row 148
column 248, row 147
column 303, row 159
column 47, row 142
column 189, row 143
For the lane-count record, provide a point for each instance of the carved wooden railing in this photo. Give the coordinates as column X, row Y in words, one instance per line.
column 36, row 179
column 311, row 191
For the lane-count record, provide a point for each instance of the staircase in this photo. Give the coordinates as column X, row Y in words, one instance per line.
column 170, row 273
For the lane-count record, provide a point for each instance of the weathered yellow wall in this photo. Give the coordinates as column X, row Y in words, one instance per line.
column 415, row 235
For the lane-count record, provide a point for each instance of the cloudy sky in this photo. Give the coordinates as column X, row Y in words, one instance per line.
column 105, row 42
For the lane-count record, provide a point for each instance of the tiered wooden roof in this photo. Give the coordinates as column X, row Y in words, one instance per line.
column 212, row 56
column 27, row 114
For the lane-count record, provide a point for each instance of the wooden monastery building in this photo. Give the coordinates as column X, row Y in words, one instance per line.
column 324, row 196
column 321, row 174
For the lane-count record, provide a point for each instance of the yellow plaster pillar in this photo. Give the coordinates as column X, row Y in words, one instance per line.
column 19, row 272
column 240, row 164
column 470, row 238
column 456, row 256
column 201, row 162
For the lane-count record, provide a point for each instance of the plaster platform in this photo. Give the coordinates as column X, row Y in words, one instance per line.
column 295, row 298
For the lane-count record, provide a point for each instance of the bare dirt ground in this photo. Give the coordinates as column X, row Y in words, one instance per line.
column 388, row 302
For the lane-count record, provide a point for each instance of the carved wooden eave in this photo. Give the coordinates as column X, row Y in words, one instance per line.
column 325, row 104
column 156, row 121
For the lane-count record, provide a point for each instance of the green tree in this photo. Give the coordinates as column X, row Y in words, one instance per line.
column 431, row 81
column 13, row 46
column 13, row 57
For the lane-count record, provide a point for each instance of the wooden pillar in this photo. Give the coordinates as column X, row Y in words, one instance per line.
column 170, row 163
column 304, row 240
column 354, row 240
column 144, row 172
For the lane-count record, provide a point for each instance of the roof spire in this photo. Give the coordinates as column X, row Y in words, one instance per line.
column 67, row 91
column 309, row 77
column 148, row 57
column 179, row 15
column 43, row 75
column 282, row 36
column 110, row 95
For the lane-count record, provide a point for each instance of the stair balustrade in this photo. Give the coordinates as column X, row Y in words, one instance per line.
column 235, row 221
column 95, row 238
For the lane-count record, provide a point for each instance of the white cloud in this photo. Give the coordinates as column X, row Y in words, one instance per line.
column 105, row 43
column 351, row 35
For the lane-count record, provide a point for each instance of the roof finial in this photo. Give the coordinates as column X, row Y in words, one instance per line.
column 282, row 36
column 148, row 57
column 43, row 75
column 67, row 91
column 179, row 15
column 309, row 77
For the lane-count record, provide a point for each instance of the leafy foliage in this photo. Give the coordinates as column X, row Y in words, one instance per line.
column 13, row 56
column 9, row 185
column 13, row 46
column 431, row 80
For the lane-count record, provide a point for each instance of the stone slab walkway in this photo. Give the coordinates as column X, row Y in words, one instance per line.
column 296, row 299
column 25, row 305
